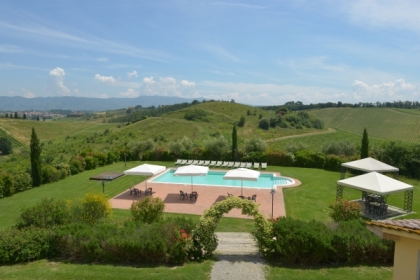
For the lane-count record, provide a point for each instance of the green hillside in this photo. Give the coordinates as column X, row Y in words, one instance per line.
column 381, row 123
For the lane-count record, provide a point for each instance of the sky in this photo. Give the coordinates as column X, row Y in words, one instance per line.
column 254, row 52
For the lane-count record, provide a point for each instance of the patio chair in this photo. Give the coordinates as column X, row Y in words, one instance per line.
column 135, row 191
column 229, row 194
column 195, row 162
column 182, row 195
column 201, row 162
column 253, row 198
column 206, row 163
column 248, row 165
column 263, row 165
column 178, row 161
column 230, row 164
column 213, row 163
column 242, row 165
column 148, row 192
column 190, row 161
column 256, row 165
column 193, row 195
column 225, row 164
column 182, row 162
column 241, row 196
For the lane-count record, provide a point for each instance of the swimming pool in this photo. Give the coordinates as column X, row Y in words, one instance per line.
column 215, row 178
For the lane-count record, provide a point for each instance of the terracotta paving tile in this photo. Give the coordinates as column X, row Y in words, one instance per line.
column 207, row 196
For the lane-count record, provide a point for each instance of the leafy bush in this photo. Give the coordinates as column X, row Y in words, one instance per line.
column 148, row 210
column 49, row 212
column 196, row 115
column 255, row 145
column 305, row 158
column 26, row 245
column 7, row 185
column 300, row 242
column 92, row 208
column 264, row 123
column 77, row 165
column 241, row 122
column 354, row 244
column 349, row 242
column 344, row 210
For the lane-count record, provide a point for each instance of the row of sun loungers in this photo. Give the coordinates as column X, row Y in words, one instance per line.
column 227, row 164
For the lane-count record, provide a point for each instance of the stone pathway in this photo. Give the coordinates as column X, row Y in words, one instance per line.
column 237, row 258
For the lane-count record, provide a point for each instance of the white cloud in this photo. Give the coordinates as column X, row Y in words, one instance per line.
column 130, row 93
column 132, row 74
column 9, row 49
column 105, row 79
column 57, row 81
column 168, row 80
column 384, row 13
column 27, row 93
column 219, row 52
column 148, row 80
column 102, row 59
column 186, row 83
column 396, row 90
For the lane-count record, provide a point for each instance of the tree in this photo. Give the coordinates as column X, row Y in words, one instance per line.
column 35, row 159
column 5, row 146
column 365, row 145
column 241, row 122
column 234, row 142
column 16, row 115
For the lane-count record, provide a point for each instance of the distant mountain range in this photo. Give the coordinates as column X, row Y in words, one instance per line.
column 18, row 103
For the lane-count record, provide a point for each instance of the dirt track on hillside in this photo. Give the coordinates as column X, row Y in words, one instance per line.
column 330, row 130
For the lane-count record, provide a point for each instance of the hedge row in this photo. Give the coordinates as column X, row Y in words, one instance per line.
column 312, row 243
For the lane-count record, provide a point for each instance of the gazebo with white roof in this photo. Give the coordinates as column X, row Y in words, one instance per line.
column 376, row 183
column 368, row 165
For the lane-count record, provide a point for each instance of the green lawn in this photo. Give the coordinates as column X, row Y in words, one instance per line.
column 44, row 269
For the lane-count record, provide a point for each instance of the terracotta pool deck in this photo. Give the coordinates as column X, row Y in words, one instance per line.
column 207, row 196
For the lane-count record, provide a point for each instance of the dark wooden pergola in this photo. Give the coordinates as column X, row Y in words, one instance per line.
column 107, row 177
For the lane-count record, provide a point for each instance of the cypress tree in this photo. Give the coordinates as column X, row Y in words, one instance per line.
column 35, row 159
column 234, row 142
column 365, row 145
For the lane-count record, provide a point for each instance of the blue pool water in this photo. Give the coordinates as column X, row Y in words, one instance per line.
column 215, row 178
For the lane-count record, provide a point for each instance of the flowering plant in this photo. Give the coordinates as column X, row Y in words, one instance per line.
column 182, row 246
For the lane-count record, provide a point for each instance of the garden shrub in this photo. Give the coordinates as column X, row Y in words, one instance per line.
column 26, row 245
column 344, row 210
column 77, row 165
column 91, row 209
column 132, row 241
column 333, row 162
column 7, row 185
column 353, row 243
column 23, row 181
column 301, row 242
column 305, row 158
column 313, row 243
column 148, row 210
column 91, row 162
column 49, row 212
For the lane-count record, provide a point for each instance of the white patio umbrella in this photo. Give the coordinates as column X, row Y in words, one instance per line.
column 191, row 170
column 145, row 170
column 242, row 174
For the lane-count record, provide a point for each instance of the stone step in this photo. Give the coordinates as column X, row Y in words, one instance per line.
column 234, row 243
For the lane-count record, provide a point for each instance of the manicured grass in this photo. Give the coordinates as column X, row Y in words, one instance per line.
column 330, row 273
column 44, row 269
column 381, row 123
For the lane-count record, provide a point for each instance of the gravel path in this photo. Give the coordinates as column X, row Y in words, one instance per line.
column 237, row 258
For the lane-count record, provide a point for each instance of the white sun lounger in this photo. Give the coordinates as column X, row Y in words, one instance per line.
column 248, row 165
column 256, row 165
column 231, row 164
column 219, row 163
column 206, row 163
column 212, row 163
column 201, row 162
column 225, row 164
column 178, row 161
column 264, row 165
column 195, row 161
column 242, row 165
column 190, row 161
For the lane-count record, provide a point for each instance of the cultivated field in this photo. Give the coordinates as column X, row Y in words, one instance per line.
column 381, row 123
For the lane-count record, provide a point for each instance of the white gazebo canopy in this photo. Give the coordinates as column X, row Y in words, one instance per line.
column 369, row 165
column 145, row 170
column 376, row 183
